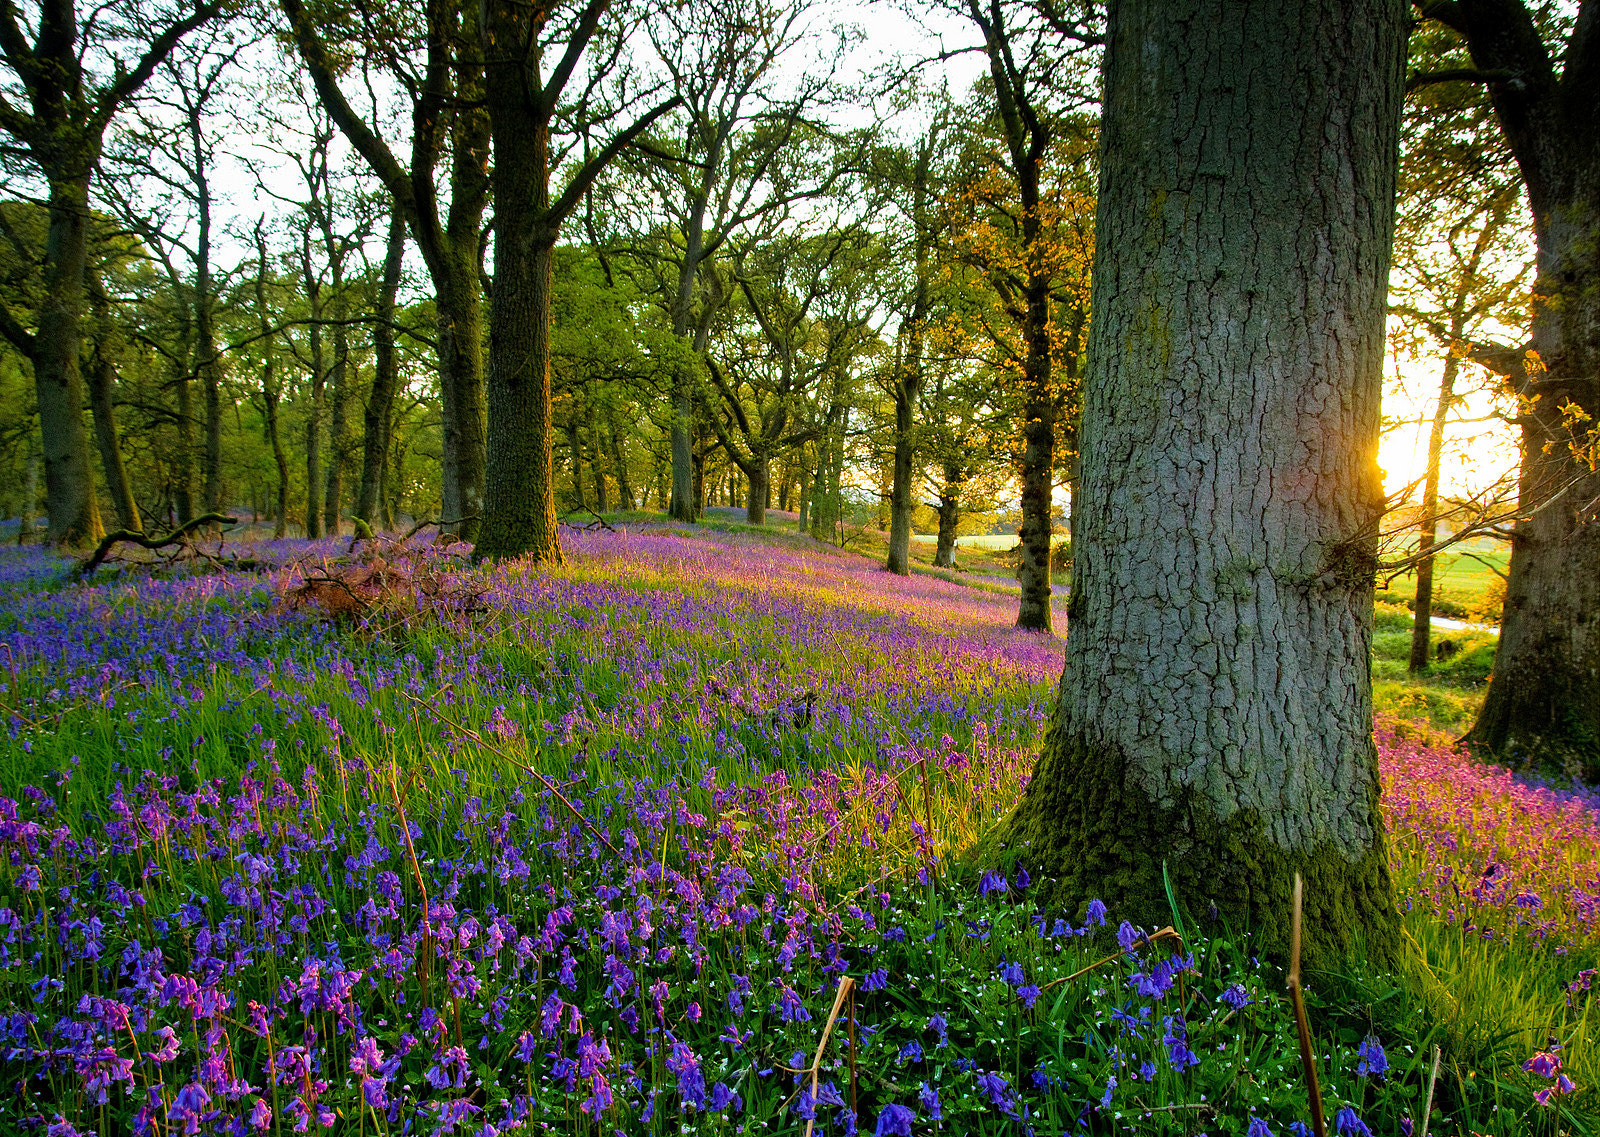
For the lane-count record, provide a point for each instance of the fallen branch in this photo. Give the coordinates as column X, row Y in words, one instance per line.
column 588, row 526
column 136, row 537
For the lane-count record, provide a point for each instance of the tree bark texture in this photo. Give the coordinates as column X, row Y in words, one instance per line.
column 901, row 496
column 107, row 352
column 378, row 418
column 70, row 500
column 519, row 495
column 1214, row 719
column 944, row 554
column 1543, row 702
column 756, row 485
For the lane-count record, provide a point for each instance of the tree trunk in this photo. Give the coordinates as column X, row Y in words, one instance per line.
column 756, row 487
column 270, row 395
column 280, row 457
column 339, row 384
column 1038, row 442
column 901, row 497
column 1422, row 614
column 1543, row 702
column 70, row 500
column 183, row 460
column 208, row 363
column 1214, row 719
column 378, row 419
column 601, row 498
column 944, row 555
column 519, row 501
column 108, row 346
column 30, row 498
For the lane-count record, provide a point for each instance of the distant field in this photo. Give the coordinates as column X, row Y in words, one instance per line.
column 1463, row 577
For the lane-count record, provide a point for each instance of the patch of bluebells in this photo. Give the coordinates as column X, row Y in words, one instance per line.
column 262, row 916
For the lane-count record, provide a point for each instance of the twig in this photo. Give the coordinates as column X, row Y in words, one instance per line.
column 598, row 522
column 439, row 521
column 1167, row 933
column 136, row 537
column 1308, row 1058
column 846, row 984
column 1427, row 1106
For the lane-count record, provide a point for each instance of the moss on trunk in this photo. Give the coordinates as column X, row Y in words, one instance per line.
column 1086, row 830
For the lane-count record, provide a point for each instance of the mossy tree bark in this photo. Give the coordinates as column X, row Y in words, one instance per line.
column 1215, row 708
column 521, row 98
column 1543, row 703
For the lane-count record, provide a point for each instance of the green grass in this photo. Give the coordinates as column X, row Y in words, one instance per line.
column 1466, row 579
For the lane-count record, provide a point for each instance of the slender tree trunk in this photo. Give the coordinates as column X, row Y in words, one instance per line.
column 314, row 427
column 619, row 461
column 70, row 499
column 208, row 362
column 339, row 384
column 280, row 457
column 108, row 347
column 270, row 395
column 378, row 419
column 944, row 555
column 183, row 460
column 1214, row 724
column 30, row 498
column 602, row 502
column 1422, row 616
column 901, row 497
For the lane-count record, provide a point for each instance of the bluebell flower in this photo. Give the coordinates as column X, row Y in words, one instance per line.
column 1373, row 1060
column 928, row 1098
column 911, row 1052
column 1095, row 914
column 1236, row 997
column 894, row 1121
column 1349, row 1125
column 1258, row 1128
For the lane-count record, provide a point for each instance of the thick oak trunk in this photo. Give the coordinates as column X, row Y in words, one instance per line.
column 519, row 493
column 759, row 478
column 1214, row 721
column 70, row 500
column 1543, row 703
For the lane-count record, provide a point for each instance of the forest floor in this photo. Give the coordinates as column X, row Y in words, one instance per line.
column 669, row 840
